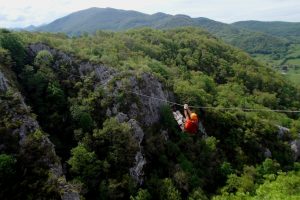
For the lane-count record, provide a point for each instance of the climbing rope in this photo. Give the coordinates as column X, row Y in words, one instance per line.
column 217, row 108
column 197, row 107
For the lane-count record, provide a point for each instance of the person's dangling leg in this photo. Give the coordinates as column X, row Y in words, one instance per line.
column 179, row 118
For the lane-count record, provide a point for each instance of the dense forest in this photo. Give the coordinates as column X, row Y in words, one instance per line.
column 285, row 56
column 243, row 36
column 276, row 44
column 72, row 121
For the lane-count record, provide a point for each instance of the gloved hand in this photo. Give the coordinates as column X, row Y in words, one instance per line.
column 185, row 106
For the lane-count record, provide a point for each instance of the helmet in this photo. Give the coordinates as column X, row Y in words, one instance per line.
column 194, row 116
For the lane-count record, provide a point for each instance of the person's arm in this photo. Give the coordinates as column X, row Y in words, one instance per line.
column 189, row 111
column 186, row 111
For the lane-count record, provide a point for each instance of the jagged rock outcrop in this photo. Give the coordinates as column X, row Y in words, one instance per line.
column 3, row 83
column 144, row 110
column 149, row 109
column 102, row 73
column 17, row 114
column 295, row 144
column 282, row 131
column 268, row 153
column 150, row 95
column 137, row 170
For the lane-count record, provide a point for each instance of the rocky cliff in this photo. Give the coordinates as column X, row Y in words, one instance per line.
column 22, row 137
column 141, row 112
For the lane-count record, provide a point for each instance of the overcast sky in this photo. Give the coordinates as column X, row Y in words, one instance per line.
column 21, row 13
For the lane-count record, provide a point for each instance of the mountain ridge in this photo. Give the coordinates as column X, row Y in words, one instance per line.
column 110, row 19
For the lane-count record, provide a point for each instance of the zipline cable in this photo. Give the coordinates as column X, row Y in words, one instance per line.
column 197, row 107
column 218, row 108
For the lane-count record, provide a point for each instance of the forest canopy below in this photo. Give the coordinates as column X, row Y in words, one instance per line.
column 246, row 155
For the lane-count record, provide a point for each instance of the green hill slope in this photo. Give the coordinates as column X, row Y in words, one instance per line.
column 94, row 19
column 87, row 94
column 281, row 29
column 286, row 61
column 275, row 44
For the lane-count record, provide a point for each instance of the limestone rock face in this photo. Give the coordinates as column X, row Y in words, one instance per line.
column 137, row 170
column 295, row 145
column 3, row 83
column 78, row 68
column 15, row 111
column 282, row 131
column 147, row 91
column 148, row 111
column 149, row 95
column 144, row 111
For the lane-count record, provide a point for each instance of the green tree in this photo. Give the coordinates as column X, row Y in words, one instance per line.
column 269, row 166
column 7, row 167
column 286, row 186
column 43, row 59
column 197, row 194
column 141, row 195
column 11, row 42
column 115, row 143
column 84, row 164
column 168, row 190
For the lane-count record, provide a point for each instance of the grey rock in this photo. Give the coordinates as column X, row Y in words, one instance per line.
column 3, row 83
column 28, row 125
column 137, row 170
column 267, row 153
column 102, row 73
column 138, row 131
column 202, row 130
column 70, row 195
column 165, row 135
column 282, row 131
column 33, row 49
column 295, row 146
column 17, row 112
column 115, row 109
column 151, row 97
column 121, row 117
column 140, row 161
column 108, row 112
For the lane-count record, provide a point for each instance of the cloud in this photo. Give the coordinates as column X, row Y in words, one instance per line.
column 20, row 13
column 3, row 17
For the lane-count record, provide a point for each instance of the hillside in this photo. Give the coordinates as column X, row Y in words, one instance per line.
column 275, row 44
column 281, row 29
column 288, row 61
column 94, row 19
column 87, row 95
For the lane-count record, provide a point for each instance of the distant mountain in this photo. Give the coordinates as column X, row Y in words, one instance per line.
column 281, row 29
column 27, row 28
column 93, row 19
column 30, row 28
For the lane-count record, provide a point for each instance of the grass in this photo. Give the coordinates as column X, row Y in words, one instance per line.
column 294, row 75
column 294, row 62
column 294, row 50
column 291, row 60
column 267, row 60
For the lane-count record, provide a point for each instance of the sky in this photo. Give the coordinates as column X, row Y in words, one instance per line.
column 22, row 13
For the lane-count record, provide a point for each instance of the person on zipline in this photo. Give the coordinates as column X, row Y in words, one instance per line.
column 188, row 124
column 191, row 120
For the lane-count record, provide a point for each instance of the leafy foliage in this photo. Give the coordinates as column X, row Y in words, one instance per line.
column 274, row 185
column 99, row 150
column 12, row 43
